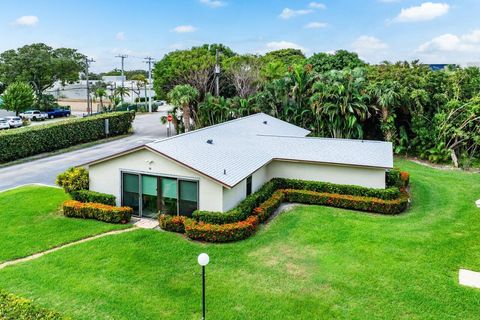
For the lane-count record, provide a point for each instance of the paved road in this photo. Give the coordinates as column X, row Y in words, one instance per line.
column 147, row 128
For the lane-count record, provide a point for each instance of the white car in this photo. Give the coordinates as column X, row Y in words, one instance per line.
column 34, row 115
column 14, row 122
column 4, row 124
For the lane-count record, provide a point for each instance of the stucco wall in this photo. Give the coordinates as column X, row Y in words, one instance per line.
column 367, row 177
column 106, row 176
column 231, row 197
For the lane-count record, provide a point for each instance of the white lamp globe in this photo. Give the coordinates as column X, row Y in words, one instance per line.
column 203, row 259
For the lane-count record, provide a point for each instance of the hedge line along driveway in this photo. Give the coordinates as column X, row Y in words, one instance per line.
column 30, row 222
column 147, row 128
column 310, row 263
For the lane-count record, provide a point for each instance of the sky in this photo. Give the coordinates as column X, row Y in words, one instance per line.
column 433, row 32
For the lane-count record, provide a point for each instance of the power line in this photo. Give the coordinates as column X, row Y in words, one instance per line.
column 149, row 61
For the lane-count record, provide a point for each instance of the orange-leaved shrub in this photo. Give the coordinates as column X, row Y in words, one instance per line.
column 221, row 232
column 97, row 211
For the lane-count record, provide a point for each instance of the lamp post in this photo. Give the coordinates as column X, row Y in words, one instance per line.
column 203, row 260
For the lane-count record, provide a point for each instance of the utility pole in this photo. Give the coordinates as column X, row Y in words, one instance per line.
column 149, row 61
column 122, row 56
column 217, row 75
column 87, row 63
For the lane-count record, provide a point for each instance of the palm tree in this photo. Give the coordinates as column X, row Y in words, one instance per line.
column 183, row 96
column 385, row 96
column 122, row 91
column 100, row 94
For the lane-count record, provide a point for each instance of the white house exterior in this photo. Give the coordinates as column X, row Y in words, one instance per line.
column 215, row 168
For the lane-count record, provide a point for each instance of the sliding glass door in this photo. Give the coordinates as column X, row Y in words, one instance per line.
column 151, row 195
column 188, row 197
column 131, row 191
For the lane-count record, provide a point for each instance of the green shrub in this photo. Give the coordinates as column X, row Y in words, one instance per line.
column 172, row 223
column 221, row 232
column 29, row 141
column 389, row 193
column 92, row 196
column 267, row 208
column 367, row 204
column 242, row 210
column 392, row 178
column 73, row 179
column 16, row 308
column 97, row 211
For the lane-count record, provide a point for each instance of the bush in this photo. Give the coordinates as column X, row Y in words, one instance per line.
column 405, row 177
column 172, row 223
column 29, row 141
column 242, row 210
column 391, row 192
column 74, row 179
column 367, row 204
column 97, row 211
column 13, row 307
column 267, row 208
column 92, row 196
column 221, row 232
column 392, row 178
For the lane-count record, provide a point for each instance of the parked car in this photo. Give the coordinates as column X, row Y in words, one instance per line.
column 34, row 115
column 4, row 124
column 57, row 113
column 14, row 122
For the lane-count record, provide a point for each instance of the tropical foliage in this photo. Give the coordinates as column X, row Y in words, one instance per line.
column 430, row 114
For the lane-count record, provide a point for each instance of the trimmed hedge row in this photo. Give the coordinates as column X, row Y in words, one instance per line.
column 172, row 223
column 93, row 196
column 221, row 232
column 13, row 307
column 245, row 208
column 29, row 141
column 97, row 211
column 367, row 204
column 267, row 208
column 397, row 178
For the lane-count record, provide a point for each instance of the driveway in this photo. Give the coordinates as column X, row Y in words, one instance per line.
column 147, row 128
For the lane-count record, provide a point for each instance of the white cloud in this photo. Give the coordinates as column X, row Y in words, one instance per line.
column 317, row 5
column 277, row 45
column 426, row 11
column 120, row 36
column 26, row 21
column 288, row 13
column 213, row 3
column 469, row 42
column 368, row 44
column 184, row 29
column 316, row 25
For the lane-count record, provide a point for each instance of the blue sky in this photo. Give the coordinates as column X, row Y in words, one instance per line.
column 434, row 32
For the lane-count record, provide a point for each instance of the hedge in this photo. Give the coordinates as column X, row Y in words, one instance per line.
column 367, row 204
column 93, row 196
column 24, row 142
column 97, row 211
column 245, row 208
column 267, row 208
column 13, row 308
column 172, row 223
column 221, row 232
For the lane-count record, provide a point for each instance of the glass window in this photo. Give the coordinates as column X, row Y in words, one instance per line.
column 130, row 197
column 249, row 185
column 149, row 197
column 169, row 196
column 188, row 197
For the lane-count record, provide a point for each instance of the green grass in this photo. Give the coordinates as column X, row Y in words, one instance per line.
column 309, row 263
column 31, row 222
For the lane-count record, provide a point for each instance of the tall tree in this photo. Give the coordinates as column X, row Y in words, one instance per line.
column 183, row 96
column 41, row 66
column 244, row 72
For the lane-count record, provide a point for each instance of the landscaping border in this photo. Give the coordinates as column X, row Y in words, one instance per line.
column 261, row 205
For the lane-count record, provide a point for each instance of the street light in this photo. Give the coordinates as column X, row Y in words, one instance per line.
column 203, row 260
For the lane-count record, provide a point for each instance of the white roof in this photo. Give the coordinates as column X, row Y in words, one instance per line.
column 242, row 146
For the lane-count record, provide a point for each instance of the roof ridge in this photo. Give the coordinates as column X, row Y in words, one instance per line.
column 323, row 138
column 209, row 127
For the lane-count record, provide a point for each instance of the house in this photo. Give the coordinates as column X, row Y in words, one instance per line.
column 214, row 168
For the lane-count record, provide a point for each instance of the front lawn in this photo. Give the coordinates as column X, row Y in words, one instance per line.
column 309, row 263
column 31, row 222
